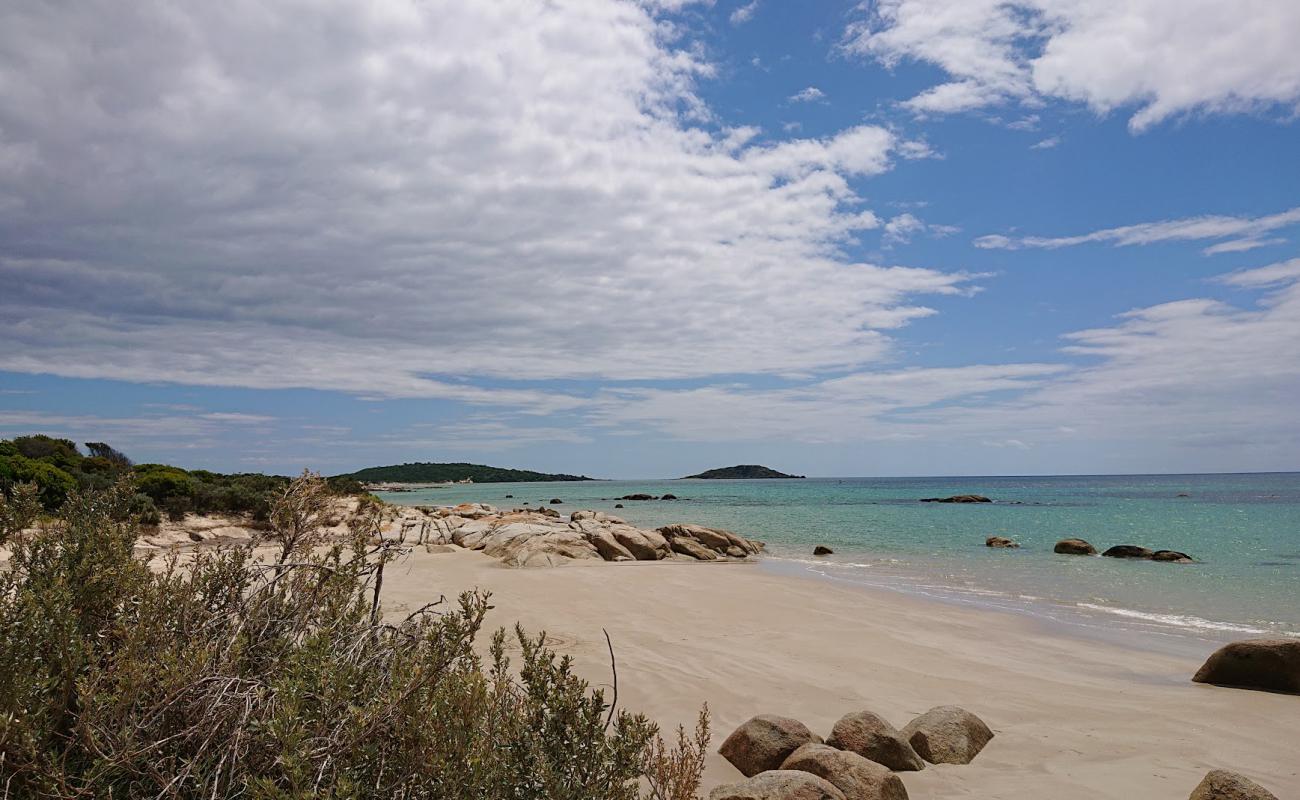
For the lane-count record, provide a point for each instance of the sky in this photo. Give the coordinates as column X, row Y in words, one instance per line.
column 642, row 238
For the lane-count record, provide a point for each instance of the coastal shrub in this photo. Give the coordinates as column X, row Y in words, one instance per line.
column 238, row 674
column 53, row 484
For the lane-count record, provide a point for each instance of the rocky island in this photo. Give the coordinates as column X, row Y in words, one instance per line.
column 741, row 472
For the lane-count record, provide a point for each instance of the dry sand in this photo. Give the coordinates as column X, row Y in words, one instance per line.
column 1074, row 719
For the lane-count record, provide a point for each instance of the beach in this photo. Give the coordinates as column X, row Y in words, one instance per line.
column 1074, row 718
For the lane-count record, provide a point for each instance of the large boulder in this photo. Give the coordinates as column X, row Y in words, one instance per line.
column 709, row 537
column 1172, row 556
column 947, row 735
column 764, row 742
column 644, row 545
column 822, row 550
column 608, row 546
column 1220, row 784
column 549, row 550
column 779, row 784
column 871, row 737
column 1074, row 547
column 1128, row 551
column 857, row 777
column 1000, row 541
column 692, row 548
column 1271, row 664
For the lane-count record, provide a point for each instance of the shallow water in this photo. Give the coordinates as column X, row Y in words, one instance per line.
column 1243, row 529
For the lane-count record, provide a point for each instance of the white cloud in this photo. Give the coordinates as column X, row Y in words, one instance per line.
column 807, row 95
column 1241, row 245
column 372, row 197
column 744, row 13
column 903, row 227
column 1046, row 144
column 1162, row 57
column 1175, row 230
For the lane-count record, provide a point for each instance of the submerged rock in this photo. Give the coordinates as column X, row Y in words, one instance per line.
column 669, row 497
column 1172, row 556
column 947, row 735
column 1000, row 541
column 822, row 550
column 1220, row 784
column 764, row 742
column 1128, row 551
column 638, row 497
column 958, row 498
column 1074, row 547
column 857, row 777
column 871, row 737
column 1270, row 664
column 779, row 784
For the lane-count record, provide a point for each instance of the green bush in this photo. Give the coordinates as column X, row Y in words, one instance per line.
column 53, row 484
column 234, row 676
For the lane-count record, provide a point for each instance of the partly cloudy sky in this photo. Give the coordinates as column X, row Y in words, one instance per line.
column 639, row 239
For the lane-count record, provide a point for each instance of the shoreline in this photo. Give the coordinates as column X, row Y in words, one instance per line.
column 1075, row 718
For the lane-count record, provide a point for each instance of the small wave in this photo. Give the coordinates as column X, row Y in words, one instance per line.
column 1184, row 620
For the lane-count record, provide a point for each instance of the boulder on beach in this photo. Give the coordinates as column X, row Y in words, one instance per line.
column 857, row 777
column 822, row 550
column 1220, row 784
column 1269, row 664
column 1074, row 547
column 608, row 546
column 1000, row 541
column 947, row 735
column 871, row 737
column 779, row 784
column 764, row 742
column 644, row 545
column 1128, row 551
column 958, row 498
column 689, row 547
column 1172, row 556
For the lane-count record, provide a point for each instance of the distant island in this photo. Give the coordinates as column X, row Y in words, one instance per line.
column 425, row 472
column 741, row 472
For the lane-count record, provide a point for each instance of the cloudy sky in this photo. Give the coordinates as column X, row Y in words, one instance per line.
column 640, row 238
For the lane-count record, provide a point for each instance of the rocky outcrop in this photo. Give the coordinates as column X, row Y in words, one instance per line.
column 1269, row 664
column 822, row 550
column 718, row 540
column 947, row 735
column 1074, row 547
column 855, row 776
column 871, row 737
column 638, row 497
column 1221, row 784
column 1000, row 541
column 1128, row 551
column 958, row 498
column 764, row 742
column 781, row 784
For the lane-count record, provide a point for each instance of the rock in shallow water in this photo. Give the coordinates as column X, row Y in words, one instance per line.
column 779, row 784
column 1221, row 784
column 1074, row 547
column 947, row 735
column 1172, row 556
column 870, row 736
column 958, row 498
column 764, row 742
column 1128, row 551
column 1270, row 664
column 822, row 550
column 1000, row 541
column 857, row 777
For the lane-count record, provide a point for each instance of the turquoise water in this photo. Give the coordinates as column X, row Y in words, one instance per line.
column 1243, row 529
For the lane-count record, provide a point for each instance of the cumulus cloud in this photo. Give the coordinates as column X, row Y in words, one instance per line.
column 1160, row 57
column 376, row 196
column 744, row 13
column 807, row 95
column 1245, row 230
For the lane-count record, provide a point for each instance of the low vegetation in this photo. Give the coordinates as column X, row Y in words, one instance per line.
column 57, row 468
column 274, row 673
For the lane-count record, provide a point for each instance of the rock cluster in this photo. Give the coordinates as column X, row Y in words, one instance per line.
column 537, row 537
column 857, row 761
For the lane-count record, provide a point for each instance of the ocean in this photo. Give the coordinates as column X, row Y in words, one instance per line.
column 1243, row 529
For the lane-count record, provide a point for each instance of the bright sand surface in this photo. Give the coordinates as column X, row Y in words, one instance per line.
column 1073, row 718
